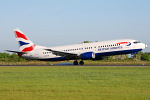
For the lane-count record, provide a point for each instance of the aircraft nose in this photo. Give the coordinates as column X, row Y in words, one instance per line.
column 145, row 46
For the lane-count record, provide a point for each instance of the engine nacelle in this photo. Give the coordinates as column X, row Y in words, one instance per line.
column 88, row 55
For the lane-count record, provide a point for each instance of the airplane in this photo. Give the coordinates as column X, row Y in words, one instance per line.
column 84, row 51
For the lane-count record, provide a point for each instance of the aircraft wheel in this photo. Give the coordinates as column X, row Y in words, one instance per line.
column 81, row 63
column 75, row 62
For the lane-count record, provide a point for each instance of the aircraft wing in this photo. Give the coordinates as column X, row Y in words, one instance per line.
column 63, row 54
column 16, row 52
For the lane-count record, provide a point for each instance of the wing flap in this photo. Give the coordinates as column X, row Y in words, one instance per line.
column 63, row 54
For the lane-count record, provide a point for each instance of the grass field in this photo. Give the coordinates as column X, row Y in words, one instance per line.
column 86, row 62
column 75, row 83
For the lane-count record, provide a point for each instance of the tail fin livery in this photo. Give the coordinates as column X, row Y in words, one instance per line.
column 25, row 44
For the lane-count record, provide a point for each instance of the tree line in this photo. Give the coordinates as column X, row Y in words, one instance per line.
column 140, row 56
column 137, row 57
column 11, row 57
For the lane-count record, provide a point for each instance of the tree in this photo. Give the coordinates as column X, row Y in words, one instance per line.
column 87, row 42
column 13, row 57
column 4, row 56
column 137, row 56
column 145, row 56
column 142, row 56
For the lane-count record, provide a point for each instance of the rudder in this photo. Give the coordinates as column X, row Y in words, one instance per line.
column 25, row 44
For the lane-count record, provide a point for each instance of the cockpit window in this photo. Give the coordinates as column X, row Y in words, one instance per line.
column 137, row 42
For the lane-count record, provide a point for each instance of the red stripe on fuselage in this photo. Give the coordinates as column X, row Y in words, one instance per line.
column 28, row 49
column 123, row 42
column 20, row 35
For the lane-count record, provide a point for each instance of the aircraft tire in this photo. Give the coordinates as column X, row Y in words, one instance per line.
column 81, row 63
column 75, row 62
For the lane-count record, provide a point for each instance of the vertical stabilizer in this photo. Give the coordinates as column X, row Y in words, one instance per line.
column 25, row 44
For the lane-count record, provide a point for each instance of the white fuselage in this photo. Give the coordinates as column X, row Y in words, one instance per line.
column 100, row 49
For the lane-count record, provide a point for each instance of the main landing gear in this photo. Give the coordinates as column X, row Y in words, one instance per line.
column 76, row 62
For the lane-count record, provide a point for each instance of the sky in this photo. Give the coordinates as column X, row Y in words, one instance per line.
column 64, row 22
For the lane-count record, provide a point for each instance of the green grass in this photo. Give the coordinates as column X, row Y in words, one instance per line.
column 86, row 62
column 75, row 83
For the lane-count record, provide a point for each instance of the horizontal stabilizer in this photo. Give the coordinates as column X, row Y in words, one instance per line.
column 16, row 52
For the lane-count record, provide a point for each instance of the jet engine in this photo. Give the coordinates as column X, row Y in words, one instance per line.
column 87, row 55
